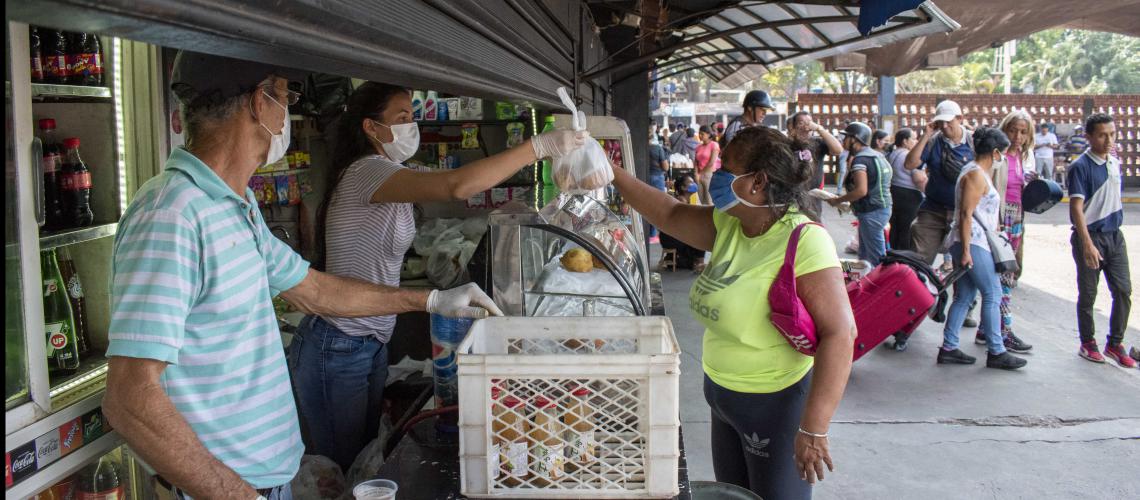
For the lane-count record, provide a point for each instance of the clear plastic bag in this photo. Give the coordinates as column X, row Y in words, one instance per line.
column 585, row 169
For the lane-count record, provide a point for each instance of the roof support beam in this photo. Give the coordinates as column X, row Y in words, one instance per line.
column 647, row 58
column 688, row 57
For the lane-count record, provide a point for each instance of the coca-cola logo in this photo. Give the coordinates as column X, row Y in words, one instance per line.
column 58, row 340
column 24, row 461
column 75, row 287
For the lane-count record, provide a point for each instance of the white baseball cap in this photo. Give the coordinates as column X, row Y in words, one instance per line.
column 947, row 110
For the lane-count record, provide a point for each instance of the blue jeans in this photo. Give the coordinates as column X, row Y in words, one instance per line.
column 339, row 380
column 984, row 278
column 657, row 181
column 872, row 242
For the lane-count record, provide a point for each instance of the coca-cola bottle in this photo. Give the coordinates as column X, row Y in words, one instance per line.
column 85, row 60
column 101, row 480
column 78, row 302
column 52, row 163
column 54, row 50
column 76, row 185
column 59, row 324
column 36, row 49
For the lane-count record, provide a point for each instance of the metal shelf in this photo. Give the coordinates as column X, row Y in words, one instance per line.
column 88, row 379
column 80, row 235
column 283, row 172
column 52, row 90
column 460, row 123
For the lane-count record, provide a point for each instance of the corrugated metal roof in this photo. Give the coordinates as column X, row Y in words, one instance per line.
column 741, row 42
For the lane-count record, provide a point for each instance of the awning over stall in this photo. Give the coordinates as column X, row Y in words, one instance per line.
column 517, row 49
column 740, row 42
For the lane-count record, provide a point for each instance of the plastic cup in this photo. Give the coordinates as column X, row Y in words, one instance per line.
column 376, row 489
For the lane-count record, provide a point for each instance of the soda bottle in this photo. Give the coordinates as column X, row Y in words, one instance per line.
column 85, row 60
column 55, row 57
column 579, row 430
column 549, row 190
column 78, row 303
column 52, row 162
column 101, row 481
column 76, row 185
column 510, row 430
column 546, row 443
column 59, row 324
column 37, row 55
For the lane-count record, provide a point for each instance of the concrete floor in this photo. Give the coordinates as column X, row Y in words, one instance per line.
column 907, row 428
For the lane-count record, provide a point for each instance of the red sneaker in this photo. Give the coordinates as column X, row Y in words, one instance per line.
column 1116, row 353
column 1090, row 352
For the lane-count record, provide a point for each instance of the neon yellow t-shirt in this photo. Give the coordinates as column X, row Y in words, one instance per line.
column 743, row 352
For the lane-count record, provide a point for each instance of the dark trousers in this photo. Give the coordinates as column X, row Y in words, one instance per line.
column 903, row 211
column 1114, row 253
column 753, row 439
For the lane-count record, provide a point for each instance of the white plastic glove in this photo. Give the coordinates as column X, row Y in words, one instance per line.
column 557, row 143
column 466, row 301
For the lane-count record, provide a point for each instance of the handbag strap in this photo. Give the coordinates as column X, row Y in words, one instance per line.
column 793, row 243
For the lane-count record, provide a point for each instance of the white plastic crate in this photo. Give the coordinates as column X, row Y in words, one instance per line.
column 630, row 368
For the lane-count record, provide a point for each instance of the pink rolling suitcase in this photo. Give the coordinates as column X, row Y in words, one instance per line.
column 894, row 298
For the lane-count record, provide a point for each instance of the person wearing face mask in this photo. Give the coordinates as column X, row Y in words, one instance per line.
column 687, row 256
column 978, row 204
column 770, row 408
column 197, row 381
column 868, row 190
column 658, row 167
column 365, row 226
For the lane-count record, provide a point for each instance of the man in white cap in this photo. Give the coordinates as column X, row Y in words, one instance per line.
column 944, row 148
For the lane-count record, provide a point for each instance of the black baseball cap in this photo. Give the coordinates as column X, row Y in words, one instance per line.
column 199, row 76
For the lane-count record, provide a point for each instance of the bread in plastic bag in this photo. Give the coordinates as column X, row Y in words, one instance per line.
column 319, row 478
column 585, row 169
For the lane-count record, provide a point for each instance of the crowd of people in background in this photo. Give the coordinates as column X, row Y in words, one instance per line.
column 936, row 192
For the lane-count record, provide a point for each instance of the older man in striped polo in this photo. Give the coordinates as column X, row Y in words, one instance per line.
column 198, row 383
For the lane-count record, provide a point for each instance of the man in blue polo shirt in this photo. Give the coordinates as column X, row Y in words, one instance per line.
column 1098, row 244
column 197, row 381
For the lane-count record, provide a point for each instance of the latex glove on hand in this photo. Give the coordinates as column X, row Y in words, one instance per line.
column 558, row 143
column 466, row 301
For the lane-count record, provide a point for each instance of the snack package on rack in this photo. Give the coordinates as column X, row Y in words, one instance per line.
column 294, row 190
column 515, row 134
column 587, row 168
column 282, row 183
column 257, row 184
column 270, row 189
column 470, row 139
column 305, row 182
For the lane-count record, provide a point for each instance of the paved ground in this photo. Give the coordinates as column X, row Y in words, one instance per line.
column 908, row 428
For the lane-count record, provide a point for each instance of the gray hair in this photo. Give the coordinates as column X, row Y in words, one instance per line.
column 200, row 116
column 1010, row 120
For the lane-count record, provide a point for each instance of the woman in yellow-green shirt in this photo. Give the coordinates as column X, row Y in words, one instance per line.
column 770, row 408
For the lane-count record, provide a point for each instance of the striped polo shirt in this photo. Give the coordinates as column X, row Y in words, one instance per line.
column 194, row 272
column 366, row 240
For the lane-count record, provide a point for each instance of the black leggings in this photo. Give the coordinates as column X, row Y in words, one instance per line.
column 753, row 439
column 904, row 210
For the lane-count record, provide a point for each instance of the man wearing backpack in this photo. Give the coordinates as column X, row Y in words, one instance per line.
column 944, row 149
column 868, row 190
column 756, row 105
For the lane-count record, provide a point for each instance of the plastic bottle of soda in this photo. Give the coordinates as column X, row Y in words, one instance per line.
column 510, row 430
column 85, row 60
column 101, row 481
column 581, row 448
column 78, row 302
column 36, row 47
column 59, row 324
column 76, row 185
column 52, row 163
column 54, row 43
column 546, row 443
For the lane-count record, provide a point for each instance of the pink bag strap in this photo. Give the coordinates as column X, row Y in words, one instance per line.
column 793, row 243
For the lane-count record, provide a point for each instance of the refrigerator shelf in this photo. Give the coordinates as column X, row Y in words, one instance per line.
column 52, row 90
column 72, row 236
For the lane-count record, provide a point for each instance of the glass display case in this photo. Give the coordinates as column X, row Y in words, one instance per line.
column 539, row 267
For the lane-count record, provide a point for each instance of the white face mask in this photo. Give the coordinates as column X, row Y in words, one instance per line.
column 278, row 143
column 405, row 141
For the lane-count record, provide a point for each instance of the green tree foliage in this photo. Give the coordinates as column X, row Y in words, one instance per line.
column 1078, row 61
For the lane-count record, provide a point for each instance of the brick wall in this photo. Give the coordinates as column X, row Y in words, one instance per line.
column 913, row 110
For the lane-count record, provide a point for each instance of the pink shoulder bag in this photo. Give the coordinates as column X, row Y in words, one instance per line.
column 789, row 315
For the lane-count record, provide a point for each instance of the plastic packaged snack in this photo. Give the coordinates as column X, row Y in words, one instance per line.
column 294, row 190
column 470, row 139
column 515, row 134
column 282, row 182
